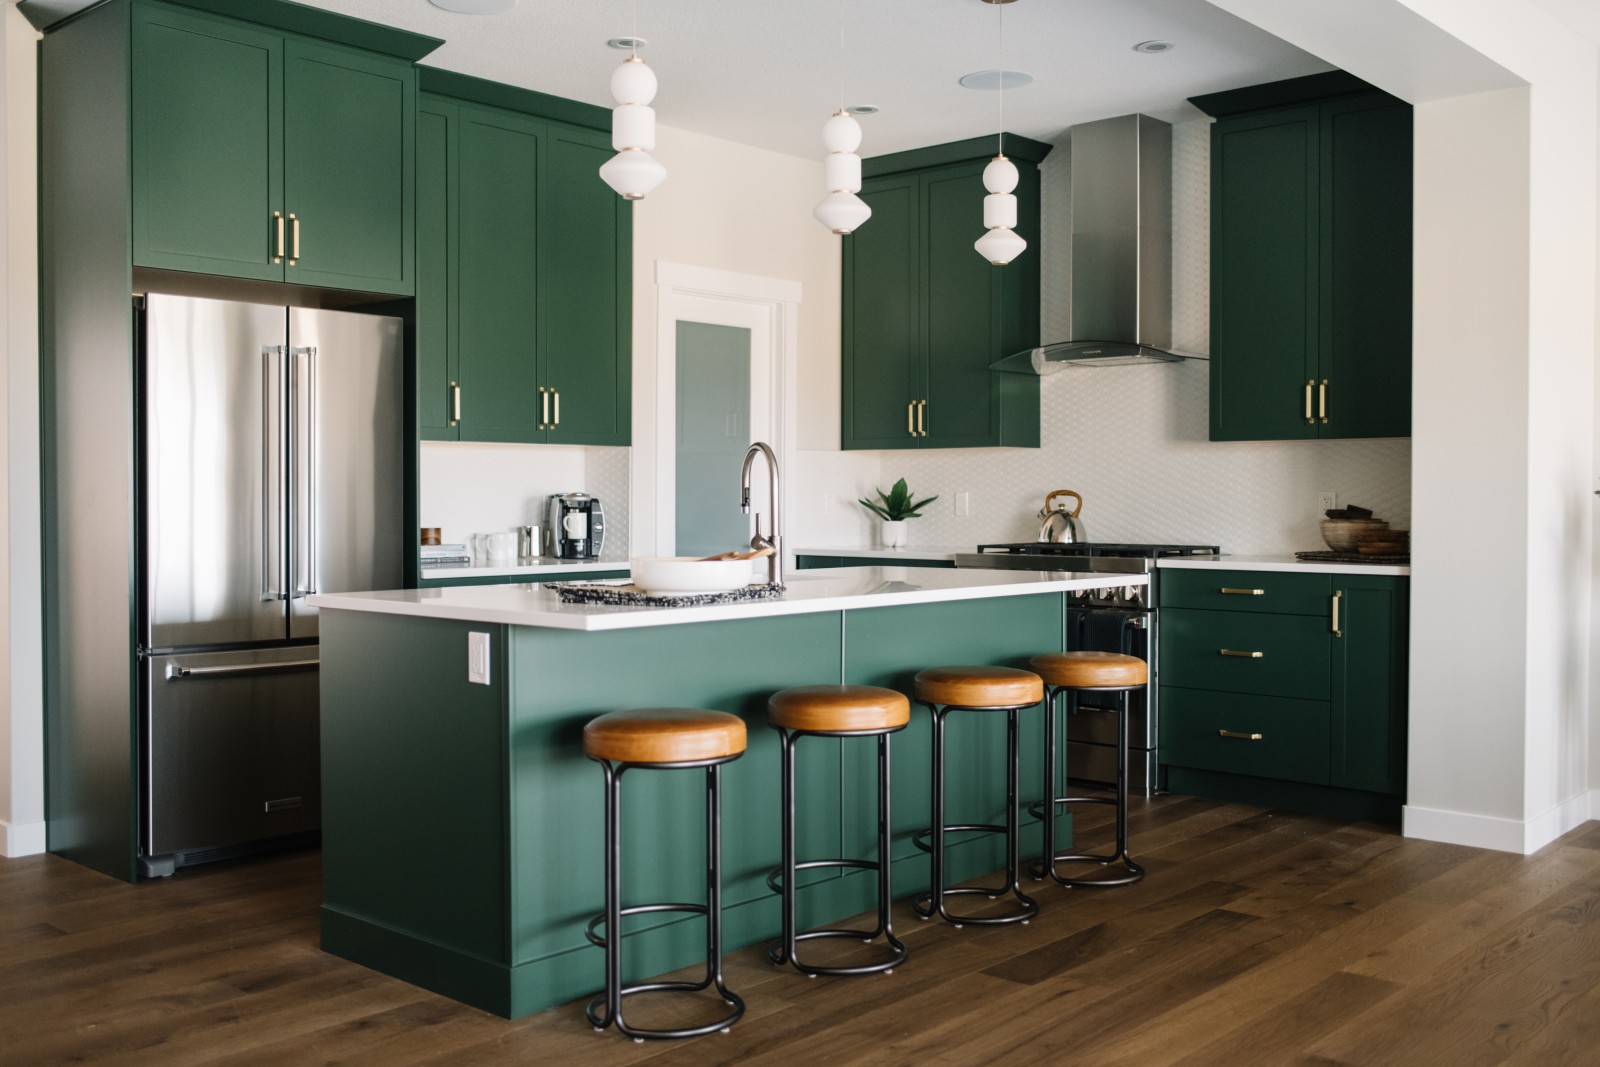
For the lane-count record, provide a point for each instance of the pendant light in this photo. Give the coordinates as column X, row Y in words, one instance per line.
column 841, row 210
column 633, row 172
column 1001, row 244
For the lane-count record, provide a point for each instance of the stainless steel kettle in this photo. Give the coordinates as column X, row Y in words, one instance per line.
column 1060, row 525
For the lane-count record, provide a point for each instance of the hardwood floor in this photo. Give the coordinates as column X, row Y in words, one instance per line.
column 1258, row 937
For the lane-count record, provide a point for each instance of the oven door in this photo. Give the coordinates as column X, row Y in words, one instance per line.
column 1092, row 730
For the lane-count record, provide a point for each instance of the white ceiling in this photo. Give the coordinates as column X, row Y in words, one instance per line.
column 766, row 72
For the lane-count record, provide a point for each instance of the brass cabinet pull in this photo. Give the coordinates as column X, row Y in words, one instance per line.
column 1322, row 400
column 1239, row 735
column 455, row 404
column 1230, row 591
column 294, row 239
column 277, row 220
column 1309, row 419
column 922, row 418
column 911, row 417
column 557, row 420
column 1240, row 655
column 1337, row 632
column 544, row 408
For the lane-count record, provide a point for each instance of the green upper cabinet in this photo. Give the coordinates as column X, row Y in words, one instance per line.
column 924, row 315
column 1310, row 261
column 524, row 262
column 266, row 155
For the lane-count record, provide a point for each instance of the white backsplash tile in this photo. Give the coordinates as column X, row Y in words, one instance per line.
column 1131, row 440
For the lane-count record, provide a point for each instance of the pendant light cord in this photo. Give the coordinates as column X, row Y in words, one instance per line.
column 633, row 32
column 841, row 55
column 1001, row 86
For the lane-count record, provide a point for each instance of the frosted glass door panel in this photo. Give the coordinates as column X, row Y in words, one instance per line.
column 713, row 424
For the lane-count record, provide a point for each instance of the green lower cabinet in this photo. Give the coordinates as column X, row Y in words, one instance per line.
column 463, row 826
column 804, row 563
column 520, row 579
column 1315, row 700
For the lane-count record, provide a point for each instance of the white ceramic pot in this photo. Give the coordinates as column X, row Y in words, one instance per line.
column 686, row 574
column 893, row 533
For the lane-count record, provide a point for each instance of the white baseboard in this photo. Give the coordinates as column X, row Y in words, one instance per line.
column 21, row 839
column 1503, row 835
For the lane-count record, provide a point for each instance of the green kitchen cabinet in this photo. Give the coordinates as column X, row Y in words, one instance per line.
column 1272, row 677
column 1310, row 261
column 924, row 315
column 270, row 156
column 524, row 261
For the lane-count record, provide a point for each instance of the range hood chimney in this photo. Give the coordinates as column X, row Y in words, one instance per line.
column 1121, row 250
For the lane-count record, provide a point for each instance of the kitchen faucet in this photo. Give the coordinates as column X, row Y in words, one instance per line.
column 773, row 538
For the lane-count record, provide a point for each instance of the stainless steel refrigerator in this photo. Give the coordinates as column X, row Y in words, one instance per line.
column 272, row 469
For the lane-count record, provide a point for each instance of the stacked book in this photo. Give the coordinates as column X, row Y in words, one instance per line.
column 446, row 556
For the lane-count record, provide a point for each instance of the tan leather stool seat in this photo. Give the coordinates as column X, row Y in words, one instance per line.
column 838, row 708
column 664, row 735
column 1091, row 670
column 978, row 687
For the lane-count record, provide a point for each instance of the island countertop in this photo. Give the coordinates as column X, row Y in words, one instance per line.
column 812, row 591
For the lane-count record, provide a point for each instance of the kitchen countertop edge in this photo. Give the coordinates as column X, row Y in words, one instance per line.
column 1282, row 563
column 568, row 566
column 939, row 552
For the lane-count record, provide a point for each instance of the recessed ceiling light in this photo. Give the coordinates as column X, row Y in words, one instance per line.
column 1154, row 47
column 627, row 44
column 990, row 79
column 474, row 7
column 863, row 109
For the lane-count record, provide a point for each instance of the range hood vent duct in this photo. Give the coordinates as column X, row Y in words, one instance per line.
column 1121, row 250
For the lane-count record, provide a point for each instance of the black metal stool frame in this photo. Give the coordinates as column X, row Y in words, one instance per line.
column 782, row 879
column 1052, row 775
column 932, row 839
column 611, row 998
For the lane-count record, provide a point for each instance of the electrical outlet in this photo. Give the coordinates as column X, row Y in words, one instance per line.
column 477, row 658
column 1327, row 500
column 963, row 504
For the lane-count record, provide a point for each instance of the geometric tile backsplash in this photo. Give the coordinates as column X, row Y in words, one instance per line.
column 1133, row 440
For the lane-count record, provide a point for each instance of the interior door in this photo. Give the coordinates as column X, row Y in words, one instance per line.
column 214, row 485
column 345, row 445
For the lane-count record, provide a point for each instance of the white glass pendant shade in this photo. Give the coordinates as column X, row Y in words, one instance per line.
column 633, row 82
column 632, row 173
column 1000, row 246
column 633, row 126
column 842, row 172
column 1000, row 176
column 1000, row 209
column 841, row 133
column 842, row 211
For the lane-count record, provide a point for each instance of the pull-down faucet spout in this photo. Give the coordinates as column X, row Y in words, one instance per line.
column 773, row 538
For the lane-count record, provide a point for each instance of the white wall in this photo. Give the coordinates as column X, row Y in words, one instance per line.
column 21, row 700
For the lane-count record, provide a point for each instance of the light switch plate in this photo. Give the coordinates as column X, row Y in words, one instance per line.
column 478, row 658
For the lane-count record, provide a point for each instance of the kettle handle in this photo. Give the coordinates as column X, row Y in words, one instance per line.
column 1064, row 492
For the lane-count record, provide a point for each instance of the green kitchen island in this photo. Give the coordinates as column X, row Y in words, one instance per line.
column 462, row 834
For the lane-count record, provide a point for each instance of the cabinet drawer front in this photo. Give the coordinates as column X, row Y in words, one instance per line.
column 1229, row 651
column 1256, row 591
column 1270, row 737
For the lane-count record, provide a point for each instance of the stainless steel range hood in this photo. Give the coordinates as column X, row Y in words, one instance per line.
column 1121, row 250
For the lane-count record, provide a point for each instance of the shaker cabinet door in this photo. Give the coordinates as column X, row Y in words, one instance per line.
column 963, row 313
column 207, row 144
column 437, row 373
column 882, row 325
column 497, row 285
column 585, row 292
column 349, row 160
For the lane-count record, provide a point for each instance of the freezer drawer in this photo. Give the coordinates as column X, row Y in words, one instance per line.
column 231, row 747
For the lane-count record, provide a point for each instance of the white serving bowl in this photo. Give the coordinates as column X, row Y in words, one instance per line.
column 685, row 574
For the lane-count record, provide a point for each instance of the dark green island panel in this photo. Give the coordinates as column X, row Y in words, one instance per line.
column 463, row 825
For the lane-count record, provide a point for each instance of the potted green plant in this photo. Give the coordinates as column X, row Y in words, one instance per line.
column 894, row 508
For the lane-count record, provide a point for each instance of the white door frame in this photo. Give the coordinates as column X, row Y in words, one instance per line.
column 769, row 308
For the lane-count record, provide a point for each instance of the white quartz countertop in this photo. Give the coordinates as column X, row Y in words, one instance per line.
column 943, row 552
column 832, row 589
column 1226, row 562
column 544, row 565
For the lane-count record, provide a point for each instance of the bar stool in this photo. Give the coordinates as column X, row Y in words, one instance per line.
column 661, row 739
column 835, row 711
column 947, row 689
column 1075, row 673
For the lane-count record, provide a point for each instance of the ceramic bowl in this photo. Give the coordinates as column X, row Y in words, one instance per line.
column 1343, row 535
column 686, row 574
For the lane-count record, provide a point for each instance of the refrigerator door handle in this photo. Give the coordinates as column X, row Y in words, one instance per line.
column 303, row 468
column 177, row 673
column 271, row 475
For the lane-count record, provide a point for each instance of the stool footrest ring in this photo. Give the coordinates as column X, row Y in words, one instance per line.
column 597, row 1020
column 777, row 956
column 923, row 839
column 1028, row 907
column 639, row 909
column 1036, row 809
column 775, row 878
column 1135, row 872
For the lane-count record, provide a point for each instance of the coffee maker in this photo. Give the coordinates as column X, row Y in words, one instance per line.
column 575, row 526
